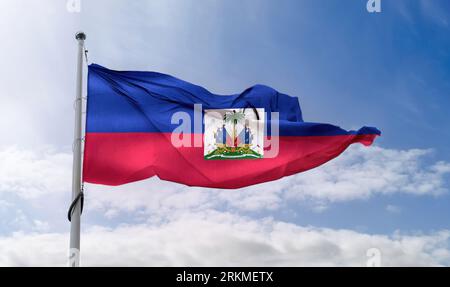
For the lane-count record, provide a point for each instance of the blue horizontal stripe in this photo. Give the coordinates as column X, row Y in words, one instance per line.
column 129, row 101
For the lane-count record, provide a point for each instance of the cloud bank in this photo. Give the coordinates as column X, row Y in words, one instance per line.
column 173, row 225
column 223, row 239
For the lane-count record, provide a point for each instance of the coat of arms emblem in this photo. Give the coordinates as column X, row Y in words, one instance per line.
column 234, row 134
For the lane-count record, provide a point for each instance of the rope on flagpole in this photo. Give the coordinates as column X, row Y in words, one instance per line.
column 80, row 197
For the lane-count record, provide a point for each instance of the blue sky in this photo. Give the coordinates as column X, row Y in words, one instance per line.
column 347, row 67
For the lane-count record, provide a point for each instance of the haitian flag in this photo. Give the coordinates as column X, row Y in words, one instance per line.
column 142, row 124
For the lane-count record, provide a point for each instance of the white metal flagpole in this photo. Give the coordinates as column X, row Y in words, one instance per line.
column 77, row 193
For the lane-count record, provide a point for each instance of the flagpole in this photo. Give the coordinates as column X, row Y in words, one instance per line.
column 75, row 211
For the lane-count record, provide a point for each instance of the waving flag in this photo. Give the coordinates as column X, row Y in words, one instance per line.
column 142, row 124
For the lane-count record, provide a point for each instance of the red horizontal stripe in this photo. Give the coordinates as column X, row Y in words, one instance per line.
column 119, row 158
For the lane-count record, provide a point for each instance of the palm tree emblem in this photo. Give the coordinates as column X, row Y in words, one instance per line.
column 235, row 118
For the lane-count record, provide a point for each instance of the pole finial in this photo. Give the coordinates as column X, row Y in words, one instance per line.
column 80, row 36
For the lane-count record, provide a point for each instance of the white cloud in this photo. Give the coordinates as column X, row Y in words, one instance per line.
column 363, row 172
column 41, row 226
column 37, row 76
column 34, row 173
column 223, row 239
column 393, row 208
